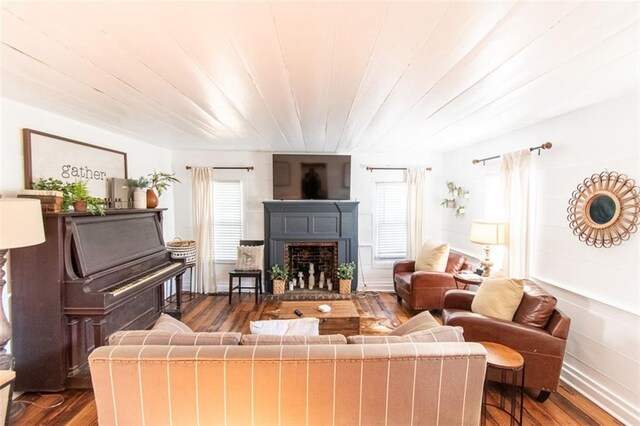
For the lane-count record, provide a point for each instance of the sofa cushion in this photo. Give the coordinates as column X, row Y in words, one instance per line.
column 292, row 327
column 265, row 339
column 455, row 263
column 422, row 321
column 536, row 306
column 155, row 337
column 441, row 333
column 168, row 323
column 498, row 298
column 433, row 257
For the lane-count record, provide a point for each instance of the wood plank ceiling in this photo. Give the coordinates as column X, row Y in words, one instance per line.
column 317, row 76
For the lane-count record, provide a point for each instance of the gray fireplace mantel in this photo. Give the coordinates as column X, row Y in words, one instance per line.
column 290, row 221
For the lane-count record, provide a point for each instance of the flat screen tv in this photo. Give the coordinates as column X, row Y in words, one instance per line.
column 311, row 177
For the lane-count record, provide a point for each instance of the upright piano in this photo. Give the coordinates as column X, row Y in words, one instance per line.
column 93, row 276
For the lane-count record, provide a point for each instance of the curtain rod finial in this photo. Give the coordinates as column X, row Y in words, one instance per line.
column 546, row 145
column 475, row 162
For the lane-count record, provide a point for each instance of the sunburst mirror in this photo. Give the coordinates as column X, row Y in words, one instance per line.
column 605, row 209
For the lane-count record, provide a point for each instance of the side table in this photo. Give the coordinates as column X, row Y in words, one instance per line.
column 506, row 361
column 463, row 280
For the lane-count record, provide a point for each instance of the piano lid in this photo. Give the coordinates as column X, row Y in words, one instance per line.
column 105, row 242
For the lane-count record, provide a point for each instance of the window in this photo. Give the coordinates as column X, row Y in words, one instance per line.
column 227, row 219
column 391, row 221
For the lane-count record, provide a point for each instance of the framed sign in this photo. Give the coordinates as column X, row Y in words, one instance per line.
column 50, row 156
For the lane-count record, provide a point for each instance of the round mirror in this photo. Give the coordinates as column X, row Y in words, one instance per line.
column 602, row 209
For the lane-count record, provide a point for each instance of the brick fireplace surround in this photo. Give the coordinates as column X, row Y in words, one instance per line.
column 320, row 224
column 323, row 254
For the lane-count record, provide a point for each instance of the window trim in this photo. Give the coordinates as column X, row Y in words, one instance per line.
column 243, row 225
column 375, row 261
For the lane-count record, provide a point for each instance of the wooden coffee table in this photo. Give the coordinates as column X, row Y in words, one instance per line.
column 343, row 318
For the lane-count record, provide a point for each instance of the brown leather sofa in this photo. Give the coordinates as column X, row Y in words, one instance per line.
column 538, row 331
column 423, row 289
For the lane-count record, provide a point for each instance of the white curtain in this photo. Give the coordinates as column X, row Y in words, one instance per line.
column 415, row 210
column 516, row 171
column 202, row 201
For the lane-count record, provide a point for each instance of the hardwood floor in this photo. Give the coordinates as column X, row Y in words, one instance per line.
column 381, row 312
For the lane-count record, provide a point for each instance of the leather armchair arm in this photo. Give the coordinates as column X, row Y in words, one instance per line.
column 458, row 299
column 426, row 279
column 517, row 336
column 403, row 266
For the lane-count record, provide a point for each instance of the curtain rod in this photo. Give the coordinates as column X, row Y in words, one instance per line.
column 247, row 168
column 371, row 169
column 546, row 145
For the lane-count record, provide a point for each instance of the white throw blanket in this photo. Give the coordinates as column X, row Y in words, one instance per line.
column 293, row 327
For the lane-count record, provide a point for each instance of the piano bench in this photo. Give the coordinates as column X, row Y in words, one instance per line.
column 256, row 275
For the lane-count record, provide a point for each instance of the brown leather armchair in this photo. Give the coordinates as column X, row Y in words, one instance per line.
column 542, row 346
column 424, row 289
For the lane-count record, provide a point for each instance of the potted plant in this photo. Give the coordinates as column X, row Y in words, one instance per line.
column 158, row 181
column 448, row 203
column 51, row 194
column 139, row 195
column 279, row 275
column 78, row 194
column 345, row 275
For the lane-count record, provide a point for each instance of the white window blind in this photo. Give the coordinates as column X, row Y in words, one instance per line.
column 391, row 220
column 227, row 219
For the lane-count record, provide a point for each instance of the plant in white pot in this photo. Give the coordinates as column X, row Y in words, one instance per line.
column 279, row 275
column 140, row 192
column 345, row 275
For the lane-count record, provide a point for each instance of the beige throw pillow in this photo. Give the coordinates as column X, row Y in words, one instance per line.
column 498, row 298
column 433, row 257
column 169, row 323
column 422, row 321
column 249, row 258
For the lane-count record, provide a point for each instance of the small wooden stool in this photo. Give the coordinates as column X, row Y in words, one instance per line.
column 505, row 360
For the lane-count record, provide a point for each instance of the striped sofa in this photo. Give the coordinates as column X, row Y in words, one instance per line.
column 355, row 384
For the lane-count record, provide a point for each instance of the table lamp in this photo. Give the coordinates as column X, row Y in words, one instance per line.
column 489, row 234
column 20, row 226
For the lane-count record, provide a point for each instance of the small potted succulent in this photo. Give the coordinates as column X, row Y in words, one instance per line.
column 345, row 275
column 279, row 275
column 78, row 195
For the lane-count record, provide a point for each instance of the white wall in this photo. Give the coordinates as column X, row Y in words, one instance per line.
column 598, row 288
column 142, row 158
column 258, row 188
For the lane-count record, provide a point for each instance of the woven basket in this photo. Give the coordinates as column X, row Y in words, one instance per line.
column 345, row 286
column 183, row 250
column 278, row 286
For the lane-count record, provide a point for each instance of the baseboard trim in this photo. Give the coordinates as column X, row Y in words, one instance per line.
column 602, row 397
column 383, row 287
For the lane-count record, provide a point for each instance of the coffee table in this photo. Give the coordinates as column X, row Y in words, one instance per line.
column 343, row 318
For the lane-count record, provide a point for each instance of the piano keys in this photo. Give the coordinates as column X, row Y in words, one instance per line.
column 93, row 276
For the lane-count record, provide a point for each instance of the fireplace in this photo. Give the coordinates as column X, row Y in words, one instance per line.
column 323, row 255
column 298, row 233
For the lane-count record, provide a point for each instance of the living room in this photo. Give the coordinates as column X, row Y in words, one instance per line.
column 420, row 85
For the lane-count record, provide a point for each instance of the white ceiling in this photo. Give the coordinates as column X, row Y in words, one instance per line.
column 317, row 76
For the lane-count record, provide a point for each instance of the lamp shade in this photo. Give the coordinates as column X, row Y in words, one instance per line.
column 20, row 223
column 489, row 233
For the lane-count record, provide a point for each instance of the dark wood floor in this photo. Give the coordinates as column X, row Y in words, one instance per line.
column 380, row 312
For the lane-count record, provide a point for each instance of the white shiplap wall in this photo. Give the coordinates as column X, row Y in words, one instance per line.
column 258, row 188
column 598, row 288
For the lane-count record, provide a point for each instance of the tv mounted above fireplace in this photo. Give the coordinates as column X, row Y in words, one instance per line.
column 311, row 177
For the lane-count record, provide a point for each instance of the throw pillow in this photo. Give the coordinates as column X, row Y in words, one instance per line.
column 249, row 258
column 168, row 323
column 262, row 339
column 422, row 321
column 443, row 333
column 154, row 337
column 498, row 298
column 536, row 307
column 293, row 327
column 433, row 257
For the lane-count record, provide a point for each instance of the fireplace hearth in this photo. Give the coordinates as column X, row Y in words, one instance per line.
column 298, row 233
